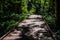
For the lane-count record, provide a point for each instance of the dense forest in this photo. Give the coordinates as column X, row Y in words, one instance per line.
column 14, row 11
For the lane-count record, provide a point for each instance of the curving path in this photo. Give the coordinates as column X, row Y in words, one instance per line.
column 32, row 28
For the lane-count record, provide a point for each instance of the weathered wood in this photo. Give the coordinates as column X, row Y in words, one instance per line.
column 31, row 29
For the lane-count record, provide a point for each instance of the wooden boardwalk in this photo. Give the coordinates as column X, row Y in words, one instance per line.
column 32, row 28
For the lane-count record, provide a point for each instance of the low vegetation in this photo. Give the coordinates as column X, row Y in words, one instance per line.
column 14, row 11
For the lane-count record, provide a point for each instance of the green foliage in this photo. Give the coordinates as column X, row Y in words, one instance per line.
column 14, row 11
column 50, row 20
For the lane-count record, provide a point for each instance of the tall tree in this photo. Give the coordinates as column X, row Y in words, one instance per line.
column 57, row 12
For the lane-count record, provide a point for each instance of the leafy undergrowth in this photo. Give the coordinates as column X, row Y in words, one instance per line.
column 51, row 20
column 7, row 23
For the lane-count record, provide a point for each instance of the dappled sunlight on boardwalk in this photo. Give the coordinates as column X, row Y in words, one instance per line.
column 32, row 28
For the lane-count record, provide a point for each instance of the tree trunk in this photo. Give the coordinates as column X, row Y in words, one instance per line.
column 57, row 12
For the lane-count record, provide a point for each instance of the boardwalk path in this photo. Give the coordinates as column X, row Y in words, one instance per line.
column 32, row 28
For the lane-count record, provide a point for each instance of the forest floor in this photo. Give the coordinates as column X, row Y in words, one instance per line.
column 32, row 28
